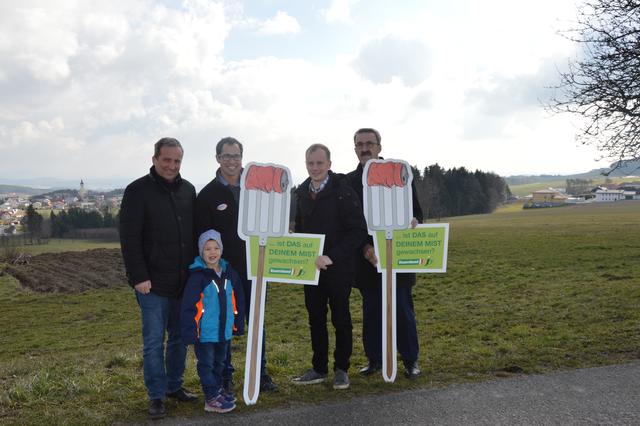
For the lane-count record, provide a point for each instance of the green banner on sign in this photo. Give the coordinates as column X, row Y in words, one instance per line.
column 421, row 249
column 290, row 258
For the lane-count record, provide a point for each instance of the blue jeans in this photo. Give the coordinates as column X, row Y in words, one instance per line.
column 163, row 370
column 211, row 358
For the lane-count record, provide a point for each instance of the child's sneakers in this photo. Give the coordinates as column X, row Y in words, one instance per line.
column 228, row 396
column 219, row 404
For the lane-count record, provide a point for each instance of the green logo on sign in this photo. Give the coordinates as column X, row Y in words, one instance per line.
column 420, row 262
column 294, row 272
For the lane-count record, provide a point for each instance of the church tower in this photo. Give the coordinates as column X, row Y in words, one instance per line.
column 82, row 192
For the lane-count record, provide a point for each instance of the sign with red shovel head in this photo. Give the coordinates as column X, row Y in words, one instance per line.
column 264, row 212
column 388, row 206
column 272, row 254
column 388, row 209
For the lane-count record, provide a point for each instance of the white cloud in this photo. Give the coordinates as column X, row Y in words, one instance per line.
column 88, row 89
column 383, row 59
column 43, row 58
column 104, row 70
column 282, row 23
column 339, row 11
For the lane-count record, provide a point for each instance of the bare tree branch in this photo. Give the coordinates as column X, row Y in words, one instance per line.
column 603, row 85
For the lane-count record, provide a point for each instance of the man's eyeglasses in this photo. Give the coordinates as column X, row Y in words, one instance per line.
column 227, row 157
column 367, row 144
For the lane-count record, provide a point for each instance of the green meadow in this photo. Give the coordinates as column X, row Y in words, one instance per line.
column 58, row 245
column 526, row 291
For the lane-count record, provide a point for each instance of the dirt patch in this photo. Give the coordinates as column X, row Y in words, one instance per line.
column 71, row 272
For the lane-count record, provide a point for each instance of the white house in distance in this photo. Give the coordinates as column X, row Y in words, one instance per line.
column 603, row 195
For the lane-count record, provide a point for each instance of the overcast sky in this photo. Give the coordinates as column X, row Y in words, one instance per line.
column 87, row 87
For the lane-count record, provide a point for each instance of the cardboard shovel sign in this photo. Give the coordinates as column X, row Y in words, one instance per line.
column 264, row 212
column 388, row 206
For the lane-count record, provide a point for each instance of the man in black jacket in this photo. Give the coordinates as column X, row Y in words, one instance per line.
column 157, row 240
column 327, row 205
column 369, row 281
column 217, row 208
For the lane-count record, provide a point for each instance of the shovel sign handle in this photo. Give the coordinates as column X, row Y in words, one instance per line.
column 264, row 212
column 389, row 362
column 388, row 206
column 254, row 339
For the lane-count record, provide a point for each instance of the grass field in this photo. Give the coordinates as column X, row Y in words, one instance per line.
column 57, row 245
column 527, row 291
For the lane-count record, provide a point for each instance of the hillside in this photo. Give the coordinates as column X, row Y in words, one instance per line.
column 7, row 189
column 522, row 185
column 561, row 181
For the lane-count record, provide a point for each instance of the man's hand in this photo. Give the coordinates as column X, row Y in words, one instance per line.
column 414, row 222
column 144, row 287
column 323, row 261
column 369, row 253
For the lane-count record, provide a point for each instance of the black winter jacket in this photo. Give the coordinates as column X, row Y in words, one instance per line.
column 217, row 209
column 156, row 232
column 366, row 274
column 336, row 213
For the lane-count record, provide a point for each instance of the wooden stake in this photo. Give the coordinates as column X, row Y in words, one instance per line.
column 390, row 350
column 258, row 312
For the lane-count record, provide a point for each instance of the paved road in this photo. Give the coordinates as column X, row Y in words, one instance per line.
column 593, row 396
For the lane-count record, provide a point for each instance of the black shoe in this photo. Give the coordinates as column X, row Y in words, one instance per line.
column 266, row 384
column 369, row 369
column 183, row 395
column 412, row 370
column 156, row 409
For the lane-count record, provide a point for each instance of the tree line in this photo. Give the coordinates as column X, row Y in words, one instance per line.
column 452, row 192
column 458, row 191
column 579, row 186
column 67, row 221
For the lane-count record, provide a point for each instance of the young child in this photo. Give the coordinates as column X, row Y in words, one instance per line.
column 209, row 317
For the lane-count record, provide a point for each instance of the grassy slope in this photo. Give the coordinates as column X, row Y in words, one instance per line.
column 526, row 291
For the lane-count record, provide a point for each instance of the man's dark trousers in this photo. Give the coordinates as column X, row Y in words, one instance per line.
column 406, row 330
column 336, row 293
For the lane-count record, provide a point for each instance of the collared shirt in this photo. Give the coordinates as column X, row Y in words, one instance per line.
column 235, row 189
column 322, row 185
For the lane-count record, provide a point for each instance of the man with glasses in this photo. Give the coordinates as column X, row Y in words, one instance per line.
column 369, row 281
column 217, row 208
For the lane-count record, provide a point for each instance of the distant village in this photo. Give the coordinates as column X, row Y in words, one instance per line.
column 602, row 193
column 13, row 205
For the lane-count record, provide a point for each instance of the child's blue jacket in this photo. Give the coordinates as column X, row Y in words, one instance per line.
column 209, row 313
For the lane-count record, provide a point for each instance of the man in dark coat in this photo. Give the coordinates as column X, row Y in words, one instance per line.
column 326, row 204
column 217, row 208
column 369, row 281
column 157, row 240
